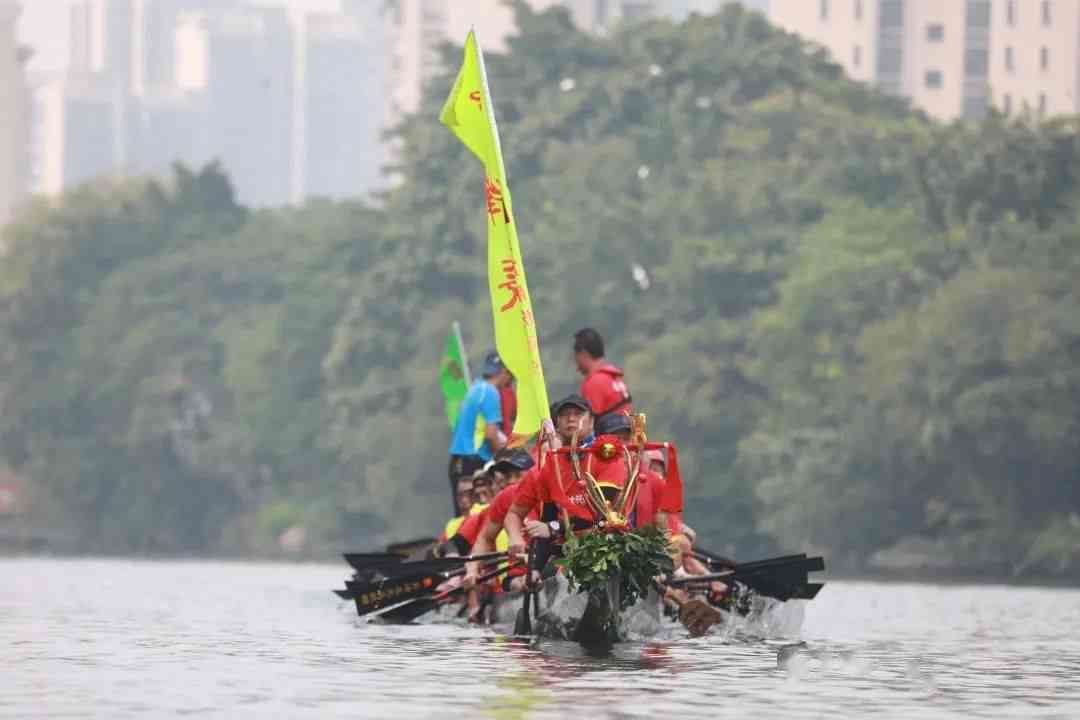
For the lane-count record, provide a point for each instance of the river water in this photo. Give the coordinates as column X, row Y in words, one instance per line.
column 135, row 639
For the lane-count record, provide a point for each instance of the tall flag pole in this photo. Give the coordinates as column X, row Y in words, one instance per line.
column 456, row 328
column 470, row 115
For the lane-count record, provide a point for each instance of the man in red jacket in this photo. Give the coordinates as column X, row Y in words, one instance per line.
column 603, row 386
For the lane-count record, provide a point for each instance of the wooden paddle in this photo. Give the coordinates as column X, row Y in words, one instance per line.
column 410, row 580
column 410, row 609
column 776, row 567
column 727, row 564
column 784, row 579
column 695, row 614
column 369, row 562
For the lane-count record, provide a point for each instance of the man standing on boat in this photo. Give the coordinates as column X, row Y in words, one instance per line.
column 603, row 387
column 478, row 433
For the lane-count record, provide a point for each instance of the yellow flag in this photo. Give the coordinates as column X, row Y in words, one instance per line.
column 469, row 114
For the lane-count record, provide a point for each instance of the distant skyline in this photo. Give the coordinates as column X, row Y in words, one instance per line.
column 43, row 26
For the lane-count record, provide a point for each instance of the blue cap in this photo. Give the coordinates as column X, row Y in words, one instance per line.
column 492, row 364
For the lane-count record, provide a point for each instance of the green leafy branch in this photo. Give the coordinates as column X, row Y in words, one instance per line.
column 636, row 557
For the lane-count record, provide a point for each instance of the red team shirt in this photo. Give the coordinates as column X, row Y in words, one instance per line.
column 606, row 391
column 495, row 512
column 539, row 487
column 470, row 529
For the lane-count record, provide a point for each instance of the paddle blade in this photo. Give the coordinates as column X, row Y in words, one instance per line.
column 784, row 582
column 698, row 616
column 809, row 591
column 408, row 611
column 523, row 623
column 373, row 596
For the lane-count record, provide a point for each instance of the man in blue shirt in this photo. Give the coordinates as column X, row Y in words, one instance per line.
column 477, row 435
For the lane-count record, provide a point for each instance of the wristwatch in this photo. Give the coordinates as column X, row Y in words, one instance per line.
column 555, row 526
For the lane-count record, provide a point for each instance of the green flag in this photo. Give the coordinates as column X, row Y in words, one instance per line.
column 454, row 374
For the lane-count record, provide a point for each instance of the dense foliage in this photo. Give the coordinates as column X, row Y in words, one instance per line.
column 861, row 327
column 634, row 557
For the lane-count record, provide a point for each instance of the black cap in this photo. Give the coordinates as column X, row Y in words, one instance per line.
column 516, row 460
column 572, row 400
column 612, row 423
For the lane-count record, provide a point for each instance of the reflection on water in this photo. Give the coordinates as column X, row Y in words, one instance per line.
column 146, row 639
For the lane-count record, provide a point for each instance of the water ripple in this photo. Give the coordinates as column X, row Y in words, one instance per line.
column 124, row 639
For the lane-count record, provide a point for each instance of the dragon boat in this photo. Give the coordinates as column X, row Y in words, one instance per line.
column 766, row 598
column 611, row 582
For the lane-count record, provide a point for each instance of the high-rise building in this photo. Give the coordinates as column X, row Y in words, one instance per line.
column 235, row 67
column 340, row 91
column 417, row 29
column 153, row 43
column 952, row 59
column 101, row 37
column 14, row 115
column 79, row 133
column 163, row 128
column 1034, row 56
column 99, row 76
column 79, row 40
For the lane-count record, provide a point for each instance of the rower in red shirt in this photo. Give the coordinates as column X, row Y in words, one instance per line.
column 682, row 535
column 560, row 483
column 572, row 416
column 603, row 387
column 656, row 466
column 513, row 465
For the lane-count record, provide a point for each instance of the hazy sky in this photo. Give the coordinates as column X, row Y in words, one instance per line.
column 43, row 26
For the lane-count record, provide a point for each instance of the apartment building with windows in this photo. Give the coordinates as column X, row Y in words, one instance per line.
column 1035, row 56
column 952, row 58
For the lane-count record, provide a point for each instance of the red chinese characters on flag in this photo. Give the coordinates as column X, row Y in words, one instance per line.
column 475, row 97
column 496, row 205
column 510, row 282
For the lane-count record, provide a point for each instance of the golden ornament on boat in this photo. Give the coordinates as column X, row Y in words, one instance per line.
column 608, row 450
column 615, row 520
